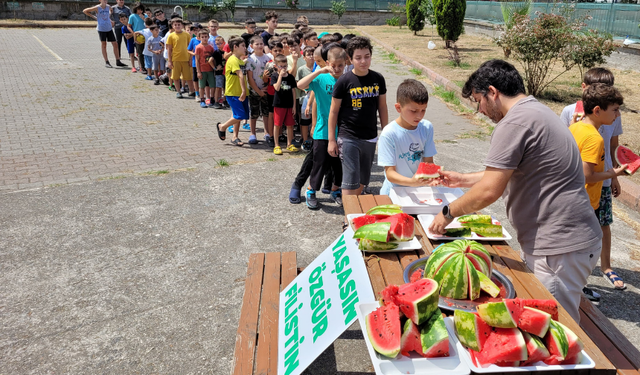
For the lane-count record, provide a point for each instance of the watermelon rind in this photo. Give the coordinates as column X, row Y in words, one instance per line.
column 385, row 210
column 383, row 330
column 376, row 232
column 466, row 329
column 556, row 342
column 360, row 221
column 534, row 321
column 371, row 245
column 488, row 286
column 536, row 351
column 478, row 263
column 474, row 280
column 455, row 281
column 547, row 305
column 458, row 232
column 410, row 340
column 497, row 314
column 473, row 247
column 485, row 230
column 436, row 261
column 624, row 155
column 402, row 226
column 418, row 300
column 428, row 171
column 435, row 337
column 575, row 345
column 478, row 219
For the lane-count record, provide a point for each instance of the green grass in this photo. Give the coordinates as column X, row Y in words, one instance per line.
column 416, row 71
column 223, row 163
column 446, row 95
column 156, row 173
column 460, row 83
column 392, row 57
column 463, row 65
column 271, row 159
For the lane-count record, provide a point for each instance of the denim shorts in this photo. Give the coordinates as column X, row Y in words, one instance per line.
column 148, row 62
column 220, row 81
column 239, row 109
column 356, row 156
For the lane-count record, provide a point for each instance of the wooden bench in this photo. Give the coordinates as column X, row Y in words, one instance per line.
column 604, row 343
column 256, row 349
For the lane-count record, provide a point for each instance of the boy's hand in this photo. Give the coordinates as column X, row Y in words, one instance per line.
column 307, row 110
column 199, row 75
column 169, row 65
column 261, row 93
column 282, row 72
column 576, row 117
column 615, row 187
column 415, row 181
column 242, row 97
column 293, row 110
column 332, row 148
column 327, row 69
column 295, row 55
column 620, row 170
column 266, row 73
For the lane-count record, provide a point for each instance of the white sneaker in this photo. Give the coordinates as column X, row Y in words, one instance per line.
column 198, row 98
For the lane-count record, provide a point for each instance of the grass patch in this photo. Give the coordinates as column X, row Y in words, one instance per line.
column 271, row 159
column 156, row 173
column 223, row 163
column 392, row 57
column 416, row 71
column 463, row 65
column 446, row 95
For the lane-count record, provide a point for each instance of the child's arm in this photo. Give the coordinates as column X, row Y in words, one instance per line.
column 310, row 103
column 294, row 64
column 199, row 72
column 90, row 10
column 169, row 56
column 130, row 28
column 590, row 176
column 332, row 148
column 254, row 86
column 304, row 83
column 278, row 83
column 242, row 85
column 383, row 111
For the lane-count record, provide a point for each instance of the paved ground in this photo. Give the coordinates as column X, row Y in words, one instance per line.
column 107, row 268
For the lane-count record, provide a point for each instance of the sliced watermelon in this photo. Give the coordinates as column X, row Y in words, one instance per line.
column 503, row 345
column 534, row 321
column 503, row 314
column 389, row 294
column 371, row 245
column 458, row 232
column 416, row 275
column 624, row 155
column 547, row 305
column 428, row 170
column 536, row 351
column 359, row 221
column 476, row 219
column 410, row 340
column 470, row 329
column 573, row 360
column 474, row 280
column 574, row 349
column 488, row 286
column 383, row 329
column 556, row 342
column 455, row 278
column 402, row 226
column 486, row 230
column 376, row 232
column 385, row 210
column 418, row 300
column 434, row 337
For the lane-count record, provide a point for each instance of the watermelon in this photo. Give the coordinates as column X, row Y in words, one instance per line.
column 389, row 294
column 556, row 342
column 474, row 359
column 475, row 219
column 385, row 210
column 359, row 221
column 434, row 337
column 371, row 245
column 474, row 280
column 383, row 329
column 533, row 321
column 427, row 171
column 410, row 340
column 624, row 155
column 470, row 329
column 574, row 349
column 402, row 226
column 573, row 360
column 503, row 314
column 547, row 305
column 376, row 231
column 417, row 300
column 485, row 230
column 536, row 351
column 503, row 345
column 458, row 232
column 488, row 286
column 416, row 275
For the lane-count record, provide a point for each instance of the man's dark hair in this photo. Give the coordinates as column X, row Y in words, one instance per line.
column 249, row 21
column 268, row 15
column 359, row 42
column 412, row 91
column 600, row 95
column 497, row 73
column 598, row 75
column 280, row 59
column 234, row 42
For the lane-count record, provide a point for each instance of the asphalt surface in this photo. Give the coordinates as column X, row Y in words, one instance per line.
column 127, row 269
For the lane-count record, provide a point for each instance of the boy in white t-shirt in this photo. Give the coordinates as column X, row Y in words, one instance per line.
column 408, row 140
column 148, row 55
column 258, row 102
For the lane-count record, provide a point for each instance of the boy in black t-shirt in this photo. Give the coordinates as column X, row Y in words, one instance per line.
column 283, row 103
column 358, row 97
column 250, row 30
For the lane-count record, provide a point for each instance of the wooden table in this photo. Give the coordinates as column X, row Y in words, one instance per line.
column 613, row 352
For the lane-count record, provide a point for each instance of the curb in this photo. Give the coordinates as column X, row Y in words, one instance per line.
column 630, row 194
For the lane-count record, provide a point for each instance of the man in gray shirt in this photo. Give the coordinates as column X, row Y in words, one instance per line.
column 535, row 164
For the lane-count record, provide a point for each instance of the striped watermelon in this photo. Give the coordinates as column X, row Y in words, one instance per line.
column 536, row 351
column 435, row 337
column 503, row 345
column 417, row 300
column 503, row 314
column 470, row 329
column 383, row 329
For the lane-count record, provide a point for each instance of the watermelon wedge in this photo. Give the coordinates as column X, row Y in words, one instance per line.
column 434, row 337
column 376, row 232
column 360, row 221
column 410, row 340
column 402, row 226
column 417, row 300
column 383, row 329
column 533, row 321
column 428, row 170
column 371, row 245
column 536, row 351
column 475, row 219
column 574, row 348
column 624, row 155
column 503, row 314
column 547, row 305
column 556, row 342
column 470, row 329
column 385, row 210
column 488, row 286
column 503, row 345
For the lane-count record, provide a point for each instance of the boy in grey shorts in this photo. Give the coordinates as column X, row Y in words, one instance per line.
column 358, row 97
column 156, row 47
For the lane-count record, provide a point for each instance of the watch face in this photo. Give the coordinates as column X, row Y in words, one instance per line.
column 445, row 210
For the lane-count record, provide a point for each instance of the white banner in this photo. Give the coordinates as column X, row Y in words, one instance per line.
column 320, row 304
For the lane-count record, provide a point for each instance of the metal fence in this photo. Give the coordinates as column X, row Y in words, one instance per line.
column 618, row 19
column 353, row 5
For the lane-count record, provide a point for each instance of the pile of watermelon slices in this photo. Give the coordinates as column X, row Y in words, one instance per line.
column 517, row 332
column 381, row 225
column 423, row 331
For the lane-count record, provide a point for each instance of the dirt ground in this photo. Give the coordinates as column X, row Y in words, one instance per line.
column 474, row 50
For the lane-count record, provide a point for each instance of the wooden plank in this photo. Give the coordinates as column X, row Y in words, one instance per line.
column 391, row 268
column 289, row 270
column 351, row 205
column 538, row 291
column 267, row 351
column 382, row 199
column 367, row 202
column 375, row 274
column 617, row 338
column 248, row 323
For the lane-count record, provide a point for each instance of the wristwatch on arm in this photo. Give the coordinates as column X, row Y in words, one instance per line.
column 447, row 213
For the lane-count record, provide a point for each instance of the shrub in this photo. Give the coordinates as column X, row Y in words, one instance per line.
column 338, row 8
column 393, row 21
column 399, row 11
column 415, row 16
column 510, row 9
column 589, row 49
column 449, row 16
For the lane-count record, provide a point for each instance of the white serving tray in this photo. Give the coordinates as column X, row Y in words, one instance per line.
column 415, row 364
column 425, row 221
column 414, row 244
column 586, row 363
column 423, row 200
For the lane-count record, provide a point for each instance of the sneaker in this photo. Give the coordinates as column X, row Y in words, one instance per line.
column 246, row 126
column 292, row 148
column 307, row 145
column 591, row 295
column 253, row 140
column 336, row 196
column 156, row 82
column 134, row 70
column 138, row 69
column 231, row 129
column 203, row 105
column 149, row 78
column 208, row 102
column 107, row 64
column 277, row 150
column 326, row 190
column 192, row 94
column 282, row 139
column 172, row 88
column 179, row 95
column 270, row 141
column 184, row 90
column 312, row 201
column 216, row 106
column 144, row 71
column 197, row 98
column 120, row 63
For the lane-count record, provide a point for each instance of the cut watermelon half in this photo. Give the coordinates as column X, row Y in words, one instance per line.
column 624, row 155
column 383, row 329
column 417, row 300
column 428, row 170
column 402, row 226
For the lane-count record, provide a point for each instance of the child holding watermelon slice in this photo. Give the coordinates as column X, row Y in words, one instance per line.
column 408, row 140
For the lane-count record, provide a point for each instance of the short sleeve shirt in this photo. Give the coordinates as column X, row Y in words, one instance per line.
column 180, row 45
column 358, row 116
column 545, row 197
column 136, row 22
column 154, row 43
column 284, row 97
column 193, row 43
column 202, row 52
column 147, row 37
column 322, row 87
column 256, row 65
column 591, row 146
column 233, row 83
column 404, row 149
column 116, row 11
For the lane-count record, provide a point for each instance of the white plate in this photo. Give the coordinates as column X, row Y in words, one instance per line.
column 451, row 365
column 423, row 200
column 414, row 244
column 426, row 220
column 586, row 363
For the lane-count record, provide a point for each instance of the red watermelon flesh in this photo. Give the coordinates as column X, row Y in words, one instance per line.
column 483, row 330
column 574, row 342
column 624, row 155
column 410, row 340
column 389, row 294
column 536, row 351
column 363, row 220
column 428, row 170
column 573, row 360
column 477, row 363
column 417, row 275
column 503, row 345
column 547, row 305
column 418, row 300
column 383, row 329
column 402, row 226
column 534, row 321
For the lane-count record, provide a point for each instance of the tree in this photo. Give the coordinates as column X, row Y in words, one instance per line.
column 339, row 8
column 415, row 16
column 449, row 19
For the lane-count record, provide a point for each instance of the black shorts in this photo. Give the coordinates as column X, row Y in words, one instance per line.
column 195, row 74
column 107, row 36
column 270, row 102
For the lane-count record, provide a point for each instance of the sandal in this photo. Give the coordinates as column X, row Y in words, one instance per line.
column 220, row 132
column 237, row 142
column 294, row 196
column 612, row 277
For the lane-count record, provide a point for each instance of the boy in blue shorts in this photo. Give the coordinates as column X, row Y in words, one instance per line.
column 408, row 140
column 128, row 40
column 358, row 97
column 236, row 91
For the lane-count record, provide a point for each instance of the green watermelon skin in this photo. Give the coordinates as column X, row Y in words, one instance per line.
column 383, row 329
column 455, row 282
column 376, row 232
column 486, row 230
column 556, row 342
column 533, row 321
column 574, row 348
column 435, row 337
column 536, row 351
column 476, row 219
column 470, row 329
column 402, row 226
column 458, row 232
column 410, row 341
column 503, row 314
column 371, row 245
column 418, row 300
column 488, row 286
column 385, row 210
